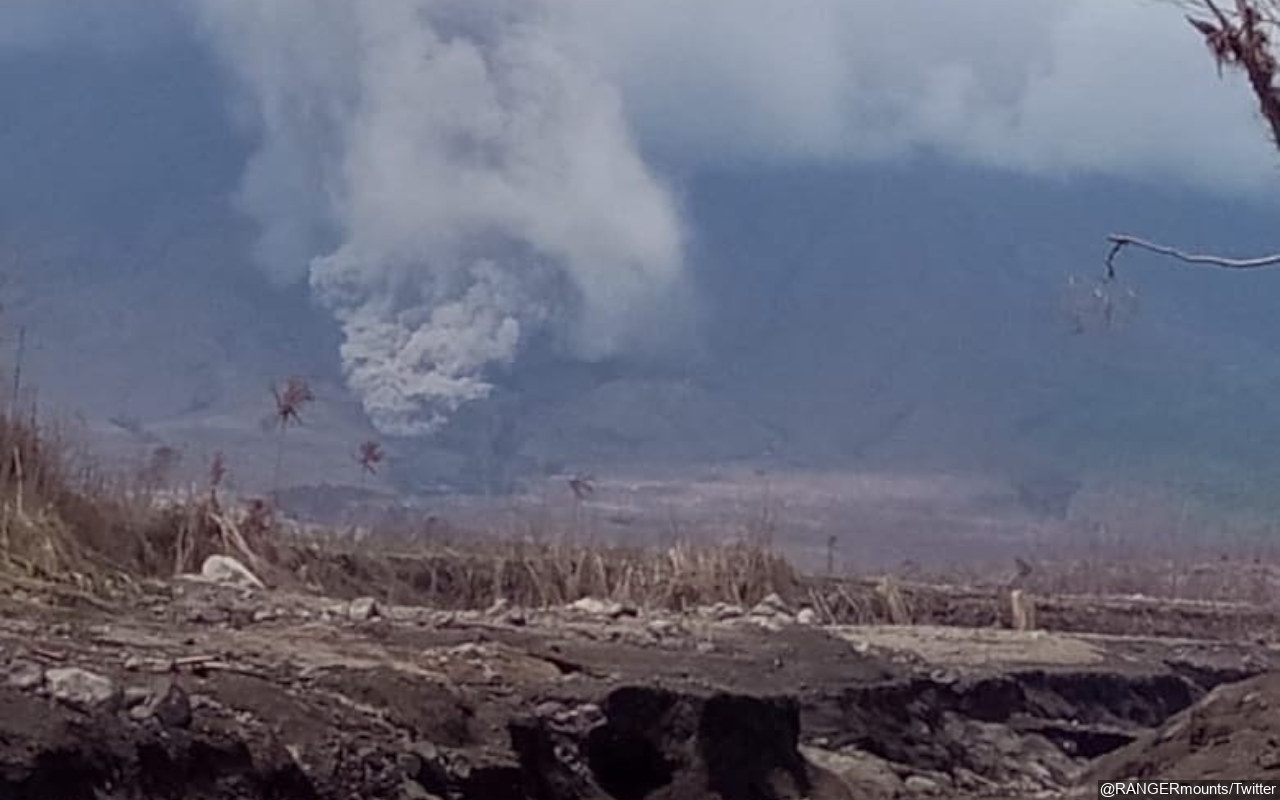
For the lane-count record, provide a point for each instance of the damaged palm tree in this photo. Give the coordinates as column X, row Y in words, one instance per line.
column 291, row 399
column 369, row 456
column 1239, row 37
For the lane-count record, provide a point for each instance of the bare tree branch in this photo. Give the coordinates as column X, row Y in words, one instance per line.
column 1238, row 37
column 1119, row 241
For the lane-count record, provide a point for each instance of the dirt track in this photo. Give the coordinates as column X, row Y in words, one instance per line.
column 218, row 692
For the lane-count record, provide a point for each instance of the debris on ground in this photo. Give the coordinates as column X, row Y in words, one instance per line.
column 222, row 688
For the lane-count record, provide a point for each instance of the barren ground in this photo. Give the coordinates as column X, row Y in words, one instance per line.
column 200, row 690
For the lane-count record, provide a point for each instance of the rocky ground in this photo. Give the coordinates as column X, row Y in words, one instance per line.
column 224, row 689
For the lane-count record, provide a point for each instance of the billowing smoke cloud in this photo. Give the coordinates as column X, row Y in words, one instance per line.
column 1053, row 87
column 454, row 176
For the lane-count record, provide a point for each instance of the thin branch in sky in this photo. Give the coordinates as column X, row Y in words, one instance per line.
column 1120, row 241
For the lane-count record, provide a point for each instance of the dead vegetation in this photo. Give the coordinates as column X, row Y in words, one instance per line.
column 68, row 523
column 68, row 527
column 480, row 574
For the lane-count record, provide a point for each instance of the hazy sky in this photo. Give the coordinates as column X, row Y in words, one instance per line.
column 453, row 175
column 1114, row 86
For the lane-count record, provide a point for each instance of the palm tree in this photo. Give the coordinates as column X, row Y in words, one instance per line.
column 290, row 399
column 369, row 456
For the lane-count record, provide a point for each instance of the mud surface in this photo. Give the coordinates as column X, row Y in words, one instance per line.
column 203, row 691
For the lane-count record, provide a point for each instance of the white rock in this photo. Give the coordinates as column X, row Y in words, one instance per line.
column 921, row 785
column 599, row 608
column 82, row 689
column 807, row 616
column 226, row 570
column 363, row 609
column 724, row 611
column 662, row 627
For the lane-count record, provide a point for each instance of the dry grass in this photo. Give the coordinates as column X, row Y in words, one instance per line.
column 480, row 572
column 55, row 523
column 64, row 522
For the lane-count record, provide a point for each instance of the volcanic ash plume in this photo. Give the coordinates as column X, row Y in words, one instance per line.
column 453, row 176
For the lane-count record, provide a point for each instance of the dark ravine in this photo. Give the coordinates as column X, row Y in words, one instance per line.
column 639, row 743
column 636, row 743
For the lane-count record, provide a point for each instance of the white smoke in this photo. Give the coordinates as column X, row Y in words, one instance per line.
column 456, row 176
column 453, row 176
column 1050, row 87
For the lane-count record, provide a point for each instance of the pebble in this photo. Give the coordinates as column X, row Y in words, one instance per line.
column 771, row 624
column 135, row 696
column 25, row 675
column 590, row 714
column 724, row 611
column 412, row 790
column 662, row 627
column 426, row 751
column 921, row 785
column 550, row 708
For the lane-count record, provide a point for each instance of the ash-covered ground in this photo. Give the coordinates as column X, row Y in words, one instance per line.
column 213, row 688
